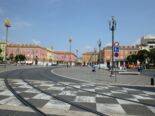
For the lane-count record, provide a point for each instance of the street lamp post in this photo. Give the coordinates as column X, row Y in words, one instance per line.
column 112, row 27
column 77, row 56
column 7, row 24
column 70, row 41
column 77, row 52
column 95, row 55
column 99, row 45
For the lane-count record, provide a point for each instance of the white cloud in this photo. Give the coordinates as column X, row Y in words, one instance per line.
column 36, row 42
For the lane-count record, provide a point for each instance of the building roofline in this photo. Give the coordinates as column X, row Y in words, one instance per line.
column 89, row 53
column 63, row 52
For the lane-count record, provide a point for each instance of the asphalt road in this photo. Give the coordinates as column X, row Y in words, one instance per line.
column 43, row 73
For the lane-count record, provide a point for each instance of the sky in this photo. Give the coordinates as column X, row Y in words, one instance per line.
column 51, row 23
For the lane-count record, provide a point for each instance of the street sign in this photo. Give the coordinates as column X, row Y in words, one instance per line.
column 116, row 54
column 116, row 49
column 116, row 44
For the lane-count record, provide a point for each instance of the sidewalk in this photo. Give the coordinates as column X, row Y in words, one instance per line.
column 102, row 76
column 9, row 67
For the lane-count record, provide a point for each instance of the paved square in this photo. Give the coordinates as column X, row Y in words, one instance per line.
column 109, row 100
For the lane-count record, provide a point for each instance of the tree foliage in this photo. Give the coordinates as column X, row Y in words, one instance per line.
column 1, row 59
column 11, row 57
column 132, row 59
column 142, row 55
column 152, row 56
column 20, row 57
column 0, row 50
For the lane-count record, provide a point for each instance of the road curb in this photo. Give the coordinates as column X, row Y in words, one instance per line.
column 52, row 71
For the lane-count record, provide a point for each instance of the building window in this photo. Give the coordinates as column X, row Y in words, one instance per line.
column 151, row 46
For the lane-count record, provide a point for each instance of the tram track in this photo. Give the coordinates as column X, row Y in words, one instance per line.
column 25, row 102
column 44, row 75
column 152, row 105
column 20, row 98
column 65, row 100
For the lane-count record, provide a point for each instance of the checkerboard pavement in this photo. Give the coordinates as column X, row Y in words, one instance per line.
column 105, row 104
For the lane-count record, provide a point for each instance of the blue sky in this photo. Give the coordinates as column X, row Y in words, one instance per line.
column 52, row 22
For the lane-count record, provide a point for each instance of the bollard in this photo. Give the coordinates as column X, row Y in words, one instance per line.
column 152, row 81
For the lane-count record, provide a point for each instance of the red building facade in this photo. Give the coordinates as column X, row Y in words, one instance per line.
column 64, row 57
column 124, row 52
column 29, row 50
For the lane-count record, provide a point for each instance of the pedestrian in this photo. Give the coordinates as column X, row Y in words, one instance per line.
column 94, row 69
column 139, row 68
column 67, row 65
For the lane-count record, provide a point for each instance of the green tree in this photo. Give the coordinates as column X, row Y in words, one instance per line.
column 11, row 57
column 36, row 60
column 1, row 58
column 20, row 57
column 132, row 59
column 142, row 55
column 152, row 56
column 0, row 51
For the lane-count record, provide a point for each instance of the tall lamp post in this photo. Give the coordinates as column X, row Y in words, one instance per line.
column 77, row 52
column 70, row 41
column 112, row 27
column 95, row 50
column 77, row 55
column 7, row 24
column 99, row 45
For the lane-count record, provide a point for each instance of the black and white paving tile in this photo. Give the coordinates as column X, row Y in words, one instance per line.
column 102, row 103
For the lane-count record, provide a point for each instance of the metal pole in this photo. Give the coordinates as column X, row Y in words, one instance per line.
column 99, row 44
column 7, row 24
column 100, row 56
column 7, row 34
column 70, row 40
column 77, row 56
column 112, row 52
column 6, row 44
column 77, row 53
column 112, row 26
column 95, row 55
column 70, row 53
column 5, row 57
